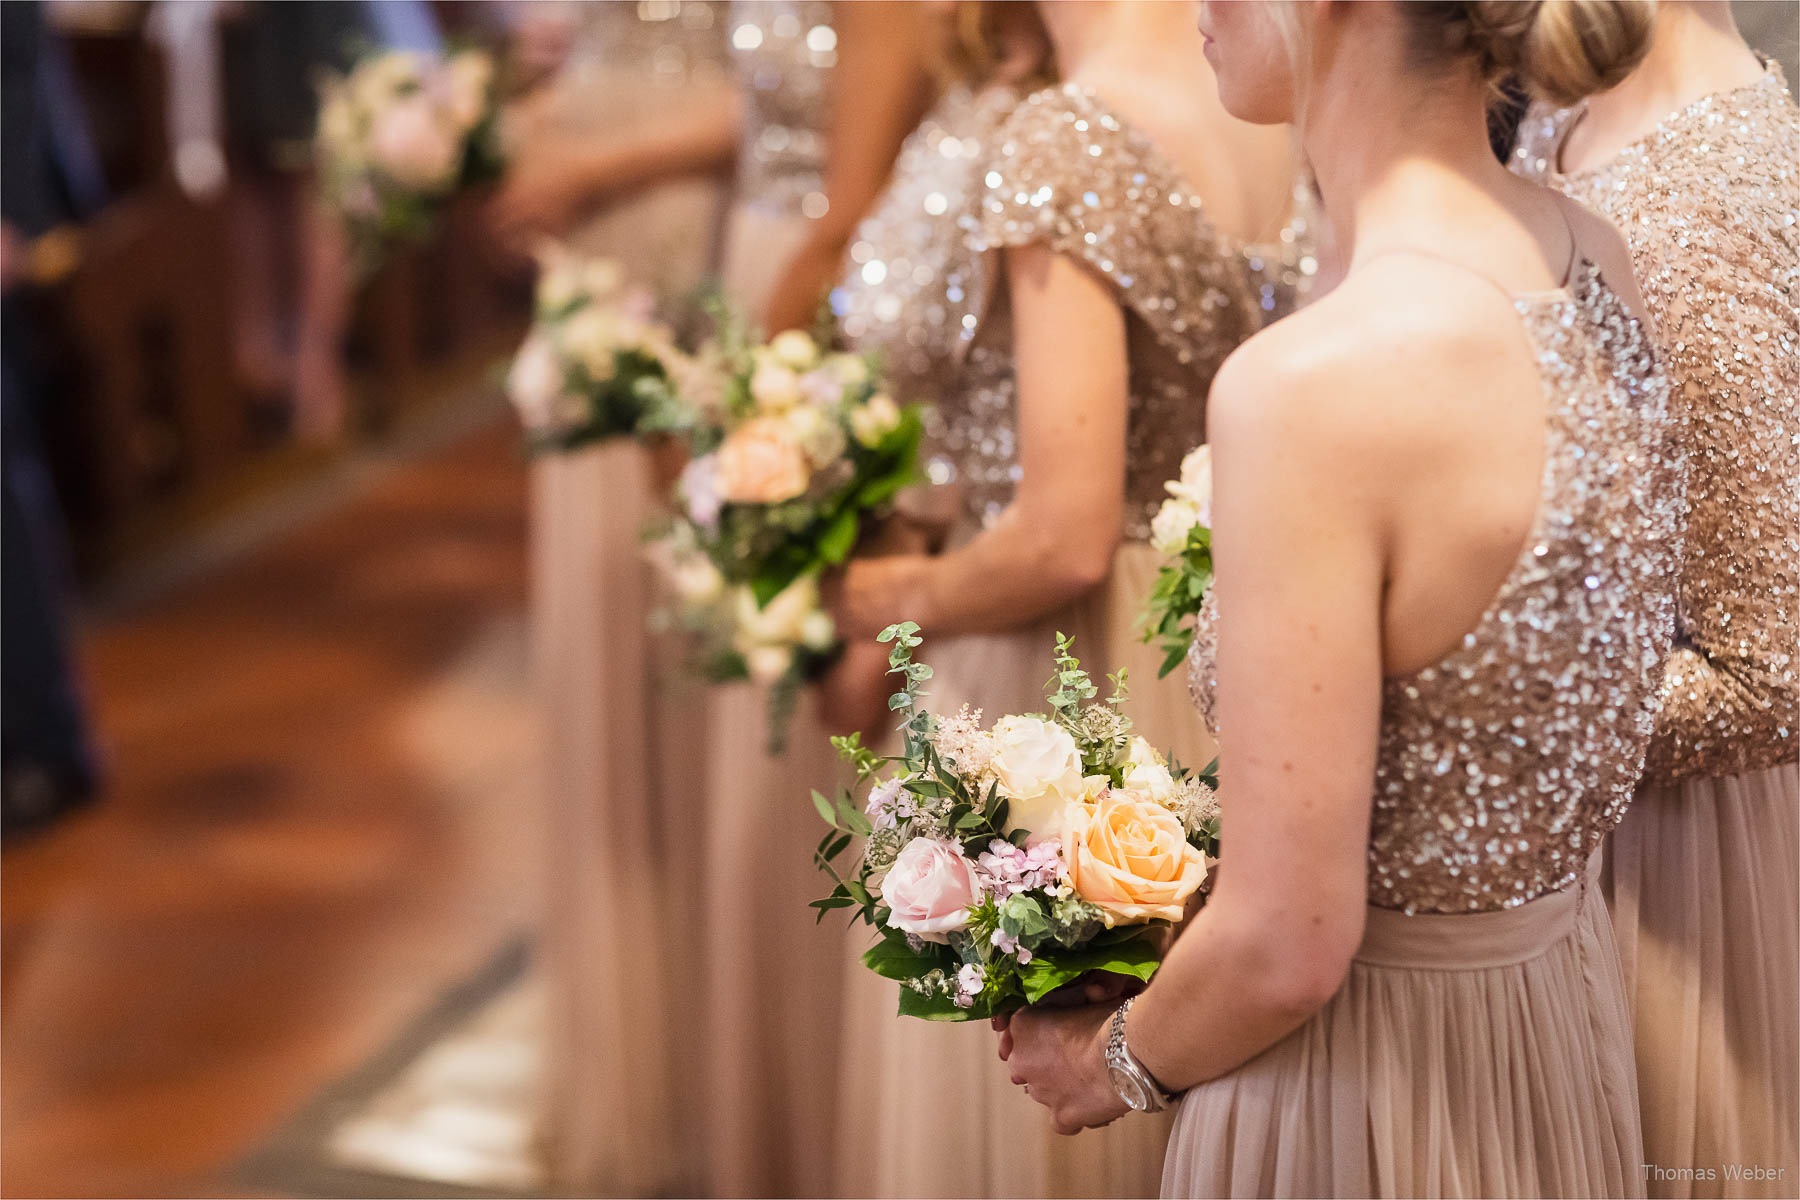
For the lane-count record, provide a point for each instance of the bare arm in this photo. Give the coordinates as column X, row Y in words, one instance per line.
column 557, row 178
column 1055, row 541
column 1299, row 547
column 880, row 90
column 1299, row 543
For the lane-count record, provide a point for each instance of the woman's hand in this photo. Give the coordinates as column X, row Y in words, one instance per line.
column 1059, row 1055
column 541, row 193
column 870, row 594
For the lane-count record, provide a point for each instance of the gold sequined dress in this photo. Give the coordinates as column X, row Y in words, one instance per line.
column 1704, row 873
column 1479, row 1045
column 774, row 980
column 611, row 696
column 782, row 54
column 929, row 1109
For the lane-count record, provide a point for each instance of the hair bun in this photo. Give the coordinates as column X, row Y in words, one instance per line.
column 1560, row 50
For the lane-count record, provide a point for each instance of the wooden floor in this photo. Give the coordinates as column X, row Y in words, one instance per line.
column 320, row 817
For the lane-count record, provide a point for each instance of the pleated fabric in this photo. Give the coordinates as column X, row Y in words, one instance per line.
column 1703, row 877
column 1486, row 1054
column 614, row 909
column 929, row 1109
column 774, row 978
column 618, row 712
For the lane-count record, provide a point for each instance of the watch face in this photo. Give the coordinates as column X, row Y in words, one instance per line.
column 1129, row 1089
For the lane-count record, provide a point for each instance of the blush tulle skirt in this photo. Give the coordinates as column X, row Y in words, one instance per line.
column 1704, row 881
column 774, row 978
column 1486, row 1054
column 929, row 1109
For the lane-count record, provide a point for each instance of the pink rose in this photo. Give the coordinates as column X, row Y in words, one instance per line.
column 412, row 143
column 760, row 463
column 930, row 889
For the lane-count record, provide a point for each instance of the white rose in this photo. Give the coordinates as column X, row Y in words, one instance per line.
column 411, row 142
column 782, row 620
column 591, row 336
column 820, row 437
column 818, row 631
column 1173, row 522
column 774, row 387
column 767, row 664
column 1038, row 767
column 697, row 581
column 871, row 422
column 1195, row 484
column 559, row 283
column 850, row 369
column 794, row 349
column 534, row 382
column 1147, row 773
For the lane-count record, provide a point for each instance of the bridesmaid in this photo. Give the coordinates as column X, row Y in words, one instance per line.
column 610, row 695
column 1694, row 158
column 1105, row 224
column 830, row 93
column 1447, row 518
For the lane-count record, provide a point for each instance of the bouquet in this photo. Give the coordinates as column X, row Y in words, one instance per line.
column 1181, row 531
column 398, row 136
column 793, row 451
column 595, row 364
column 999, row 864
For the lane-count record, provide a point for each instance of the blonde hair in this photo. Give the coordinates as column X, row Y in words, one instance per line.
column 1559, row 50
column 1001, row 41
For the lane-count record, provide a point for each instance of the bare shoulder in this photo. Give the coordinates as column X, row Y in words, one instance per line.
column 1371, row 373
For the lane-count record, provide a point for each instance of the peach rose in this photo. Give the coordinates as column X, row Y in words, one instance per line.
column 1129, row 856
column 760, row 463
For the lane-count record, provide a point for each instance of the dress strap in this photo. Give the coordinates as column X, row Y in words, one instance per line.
column 1569, row 266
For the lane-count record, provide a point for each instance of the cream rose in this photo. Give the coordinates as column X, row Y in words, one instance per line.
column 1038, row 768
column 871, row 422
column 1173, row 522
column 534, row 382
column 786, row 620
column 794, row 349
column 930, row 889
column 760, row 463
column 1195, row 484
column 774, row 387
column 411, row 142
column 1128, row 856
column 468, row 79
column 1147, row 773
column 592, row 336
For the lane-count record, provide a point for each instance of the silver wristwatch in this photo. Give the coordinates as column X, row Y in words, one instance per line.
column 1135, row 1086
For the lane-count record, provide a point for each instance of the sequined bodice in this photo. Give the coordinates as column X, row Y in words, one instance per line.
column 783, row 52
column 912, row 282
column 1501, row 766
column 1710, row 204
column 668, row 46
column 1067, row 172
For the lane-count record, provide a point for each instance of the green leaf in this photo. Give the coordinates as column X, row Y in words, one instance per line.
column 892, row 958
column 825, row 809
column 1051, row 968
column 839, row 537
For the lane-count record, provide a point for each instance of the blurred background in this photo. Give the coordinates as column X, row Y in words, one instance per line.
column 276, row 844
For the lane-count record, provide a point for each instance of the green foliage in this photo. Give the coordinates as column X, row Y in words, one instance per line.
column 1137, row 957
column 1176, row 597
